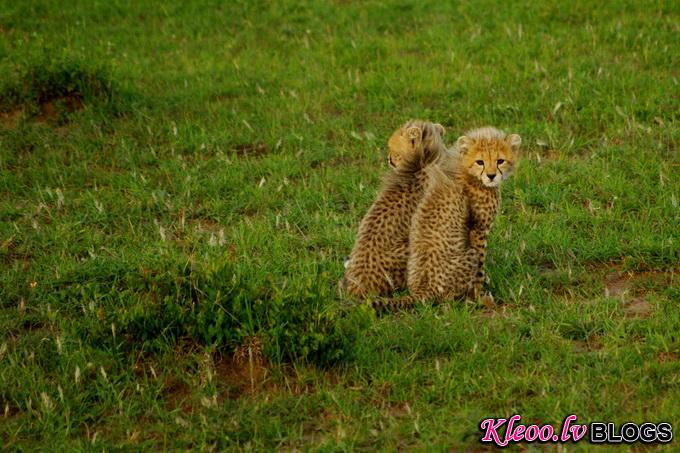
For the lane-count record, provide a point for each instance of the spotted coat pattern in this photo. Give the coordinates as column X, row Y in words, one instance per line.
column 442, row 264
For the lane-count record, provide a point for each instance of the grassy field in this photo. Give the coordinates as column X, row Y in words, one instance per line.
column 181, row 181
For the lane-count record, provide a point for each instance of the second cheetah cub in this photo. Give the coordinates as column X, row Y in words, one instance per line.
column 377, row 264
column 450, row 228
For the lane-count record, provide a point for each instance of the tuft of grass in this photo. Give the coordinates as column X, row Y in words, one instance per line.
column 53, row 84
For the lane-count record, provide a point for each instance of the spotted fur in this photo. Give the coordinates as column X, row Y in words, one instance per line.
column 441, row 262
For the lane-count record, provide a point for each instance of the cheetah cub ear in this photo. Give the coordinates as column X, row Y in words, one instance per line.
column 439, row 128
column 464, row 143
column 415, row 135
column 514, row 141
column 433, row 132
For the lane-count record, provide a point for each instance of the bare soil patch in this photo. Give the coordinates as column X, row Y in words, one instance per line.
column 638, row 307
column 49, row 110
column 54, row 109
column 620, row 283
column 9, row 411
column 10, row 119
column 246, row 372
column 592, row 343
column 669, row 357
column 629, row 287
column 177, row 394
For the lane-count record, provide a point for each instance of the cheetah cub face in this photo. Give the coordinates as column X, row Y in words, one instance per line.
column 405, row 140
column 488, row 154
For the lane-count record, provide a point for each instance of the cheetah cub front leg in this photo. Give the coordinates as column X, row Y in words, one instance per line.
column 485, row 205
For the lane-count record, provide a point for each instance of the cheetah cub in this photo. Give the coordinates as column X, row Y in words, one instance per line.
column 451, row 225
column 377, row 263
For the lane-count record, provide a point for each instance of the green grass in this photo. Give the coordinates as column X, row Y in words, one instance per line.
column 179, row 185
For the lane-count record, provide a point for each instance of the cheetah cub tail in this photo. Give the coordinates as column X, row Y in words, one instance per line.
column 394, row 304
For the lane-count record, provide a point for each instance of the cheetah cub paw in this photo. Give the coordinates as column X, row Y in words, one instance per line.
column 487, row 301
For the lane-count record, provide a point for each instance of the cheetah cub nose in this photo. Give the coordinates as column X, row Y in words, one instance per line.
column 491, row 177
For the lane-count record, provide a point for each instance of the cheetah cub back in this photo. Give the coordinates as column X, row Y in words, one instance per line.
column 441, row 264
column 377, row 263
column 451, row 226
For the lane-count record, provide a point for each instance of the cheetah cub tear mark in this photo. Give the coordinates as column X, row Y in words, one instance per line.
column 377, row 263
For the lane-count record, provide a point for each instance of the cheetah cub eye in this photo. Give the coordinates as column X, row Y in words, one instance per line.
column 488, row 154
